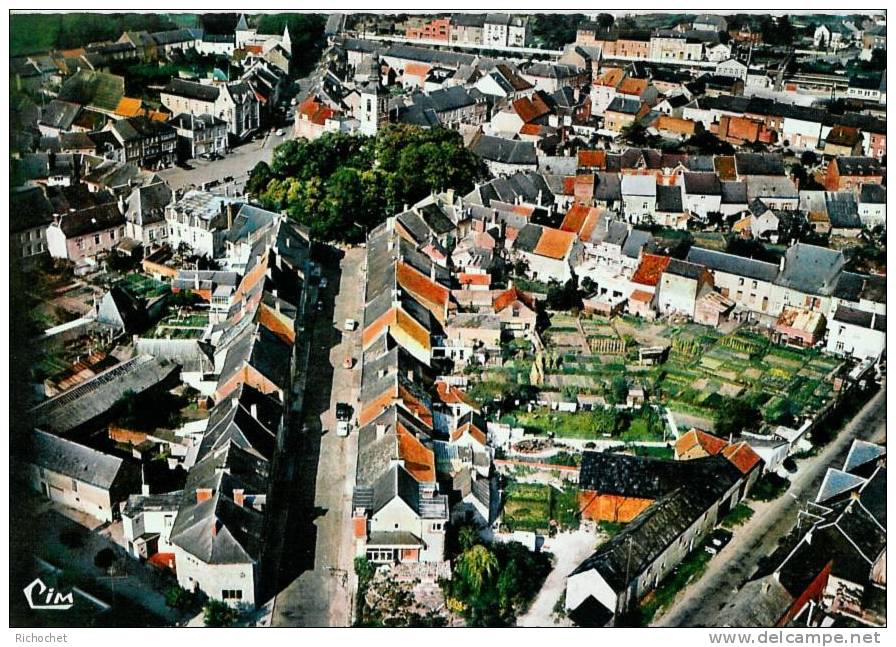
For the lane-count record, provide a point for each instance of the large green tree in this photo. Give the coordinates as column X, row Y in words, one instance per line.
column 341, row 186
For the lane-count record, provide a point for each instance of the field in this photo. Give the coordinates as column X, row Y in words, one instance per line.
column 532, row 506
column 703, row 367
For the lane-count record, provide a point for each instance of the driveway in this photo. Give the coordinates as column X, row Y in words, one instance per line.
column 699, row 603
column 569, row 550
column 321, row 594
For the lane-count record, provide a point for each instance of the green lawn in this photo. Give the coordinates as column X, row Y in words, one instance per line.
column 690, row 568
column 532, row 506
column 739, row 515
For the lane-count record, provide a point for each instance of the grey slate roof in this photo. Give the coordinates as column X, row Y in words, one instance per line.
column 506, row 151
column 93, row 398
column 59, row 114
column 669, row 199
column 192, row 90
column 732, row 264
column 843, row 212
column 758, row 164
column 873, row 194
column 684, row 269
column 74, row 460
column 861, row 318
column 702, row 184
column 811, row 269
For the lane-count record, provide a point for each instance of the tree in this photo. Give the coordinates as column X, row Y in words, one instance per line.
column 563, row 296
column 556, row 30
column 705, row 143
column 618, row 392
column 178, row 597
column 476, row 565
column 342, row 185
column 467, row 537
column 809, row 158
column 219, row 614
column 306, row 32
column 735, row 415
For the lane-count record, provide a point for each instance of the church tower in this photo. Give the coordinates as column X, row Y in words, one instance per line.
column 373, row 113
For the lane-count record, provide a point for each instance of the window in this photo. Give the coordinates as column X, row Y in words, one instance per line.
column 232, row 594
column 96, row 239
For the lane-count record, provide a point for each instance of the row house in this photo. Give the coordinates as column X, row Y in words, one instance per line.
column 218, row 534
column 146, row 142
column 234, row 103
column 86, row 233
column 199, row 135
column 437, row 29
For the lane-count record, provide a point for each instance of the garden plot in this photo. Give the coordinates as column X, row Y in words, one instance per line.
column 533, row 506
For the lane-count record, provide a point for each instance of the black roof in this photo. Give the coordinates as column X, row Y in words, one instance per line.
column 702, row 184
column 759, row 164
column 861, row 318
column 192, row 90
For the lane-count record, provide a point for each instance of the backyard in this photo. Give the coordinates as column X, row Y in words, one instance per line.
column 532, row 507
column 703, row 368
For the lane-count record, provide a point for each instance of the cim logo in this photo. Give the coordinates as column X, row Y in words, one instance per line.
column 43, row 597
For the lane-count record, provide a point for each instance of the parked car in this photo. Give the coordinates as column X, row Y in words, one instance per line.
column 280, row 133
column 342, row 429
column 350, row 324
column 323, row 283
column 717, row 540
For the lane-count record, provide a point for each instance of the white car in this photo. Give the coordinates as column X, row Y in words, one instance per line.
column 280, row 133
column 342, row 428
column 350, row 324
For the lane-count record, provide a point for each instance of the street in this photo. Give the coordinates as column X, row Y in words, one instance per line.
column 697, row 605
column 319, row 594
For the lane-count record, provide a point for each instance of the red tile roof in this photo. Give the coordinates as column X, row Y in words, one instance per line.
column 592, row 159
column 712, row 445
column 530, row 108
column 418, row 460
column 510, row 296
column 650, row 269
column 742, row 456
column 554, row 243
column 474, row 279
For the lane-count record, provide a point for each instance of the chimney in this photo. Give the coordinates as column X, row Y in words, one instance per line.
column 239, row 496
column 781, row 264
column 380, row 431
column 215, row 528
column 229, row 209
column 203, row 494
column 432, row 272
column 121, row 203
column 253, row 409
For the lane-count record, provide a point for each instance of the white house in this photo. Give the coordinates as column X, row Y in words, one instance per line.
column 731, row 67
column 638, row 197
column 857, row 333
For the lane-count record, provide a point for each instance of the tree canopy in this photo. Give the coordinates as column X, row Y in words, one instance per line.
column 343, row 185
column 306, row 32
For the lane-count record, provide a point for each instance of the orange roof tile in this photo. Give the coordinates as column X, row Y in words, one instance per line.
column 276, row 322
column 419, row 461
column 359, row 526
column 675, row 125
column 475, row 433
column 611, row 78
column 632, row 87
column 417, row 69
column 128, row 107
column 529, row 108
column 415, row 405
column 574, row 218
column 712, row 445
column 428, row 292
column 524, row 210
column 742, row 456
column 554, row 243
column 157, row 115
column 590, row 223
column 474, row 279
column 650, row 269
column 569, row 185
column 592, row 159
column 511, row 295
column 641, row 295
column 531, row 129
column 725, row 169
column 453, row 395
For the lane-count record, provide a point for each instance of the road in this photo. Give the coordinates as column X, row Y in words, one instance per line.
column 320, row 595
column 569, row 549
column 759, row 536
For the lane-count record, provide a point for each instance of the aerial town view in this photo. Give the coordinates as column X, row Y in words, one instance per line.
column 497, row 319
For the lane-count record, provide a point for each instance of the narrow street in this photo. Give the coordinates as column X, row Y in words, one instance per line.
column 698, row 604
column 319, row 566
